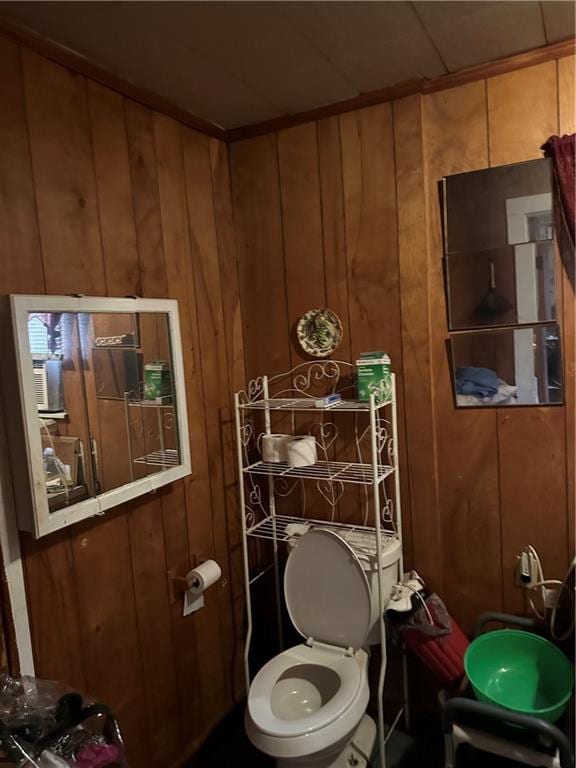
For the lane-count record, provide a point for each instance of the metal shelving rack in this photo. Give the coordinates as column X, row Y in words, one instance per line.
column 375, row 426
column 162, row 457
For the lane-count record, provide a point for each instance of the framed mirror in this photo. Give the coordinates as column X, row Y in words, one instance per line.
column 499, row 246
column 508, row 366
column 102, row 415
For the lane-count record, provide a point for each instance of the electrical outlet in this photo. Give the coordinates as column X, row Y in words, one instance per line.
column 526, row 570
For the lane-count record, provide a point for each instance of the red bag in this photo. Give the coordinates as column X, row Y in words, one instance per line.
column 436, row 639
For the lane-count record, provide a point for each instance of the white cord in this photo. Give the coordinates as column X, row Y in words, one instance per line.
column 565, row 635
column 419, row 596
column 543, row 584
column 531, row 552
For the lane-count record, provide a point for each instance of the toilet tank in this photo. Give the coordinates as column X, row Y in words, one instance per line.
column 363, row 542
column 364, row 545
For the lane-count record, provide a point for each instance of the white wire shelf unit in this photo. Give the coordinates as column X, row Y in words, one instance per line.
column 147, row 438
column 345, row 472
column 289, row 528
column 369, row 435
column 310, row 404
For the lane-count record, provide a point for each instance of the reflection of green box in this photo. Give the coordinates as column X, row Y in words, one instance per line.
column 157, row 380
column 374, row 376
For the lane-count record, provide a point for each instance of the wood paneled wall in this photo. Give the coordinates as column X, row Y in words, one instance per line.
column 103, row 196
column 100, row 195
column 345, row 212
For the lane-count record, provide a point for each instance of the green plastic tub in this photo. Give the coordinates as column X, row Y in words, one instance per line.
column 520, row 671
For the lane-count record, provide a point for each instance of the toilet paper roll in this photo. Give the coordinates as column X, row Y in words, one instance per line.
column 203, row 577
column 302, row 451
column 274, row 448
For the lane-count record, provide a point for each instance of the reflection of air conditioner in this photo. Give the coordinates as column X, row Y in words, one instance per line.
column 48, row 385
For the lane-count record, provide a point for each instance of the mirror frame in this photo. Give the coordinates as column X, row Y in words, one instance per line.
column 32, row 501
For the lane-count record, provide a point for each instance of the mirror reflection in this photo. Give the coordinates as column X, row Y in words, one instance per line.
column 503, row 286
column 105, row 399
column 499, row 246
column 512, row 366
column 499, row 206
column 54, row 339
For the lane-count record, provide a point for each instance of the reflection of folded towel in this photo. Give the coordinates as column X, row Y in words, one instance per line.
column 480, row 382
column 505, row 396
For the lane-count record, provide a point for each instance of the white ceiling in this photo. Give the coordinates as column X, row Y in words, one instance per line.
column 237, row 63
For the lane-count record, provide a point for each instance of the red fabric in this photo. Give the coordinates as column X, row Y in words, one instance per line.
column 444, row 656
column 562, row 150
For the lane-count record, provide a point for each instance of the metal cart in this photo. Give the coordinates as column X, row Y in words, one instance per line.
column 498, row 731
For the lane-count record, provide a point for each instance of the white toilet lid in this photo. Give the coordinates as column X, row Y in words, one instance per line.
column 326, row 589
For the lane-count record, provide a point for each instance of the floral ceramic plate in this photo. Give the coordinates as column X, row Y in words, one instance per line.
column 319, row 332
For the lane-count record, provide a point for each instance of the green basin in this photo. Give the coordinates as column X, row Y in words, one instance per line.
column 520, row 671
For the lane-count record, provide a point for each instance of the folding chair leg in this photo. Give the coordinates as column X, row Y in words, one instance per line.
column 449, row 751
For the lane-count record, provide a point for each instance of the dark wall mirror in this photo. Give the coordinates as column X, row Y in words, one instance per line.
column 500, row 265
column 499, row 246
column 508, row 366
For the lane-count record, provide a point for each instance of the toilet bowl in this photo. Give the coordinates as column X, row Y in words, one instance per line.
column 306, row 704
column 307, row 700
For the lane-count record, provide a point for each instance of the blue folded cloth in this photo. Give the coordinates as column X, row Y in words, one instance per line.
column 481, row 382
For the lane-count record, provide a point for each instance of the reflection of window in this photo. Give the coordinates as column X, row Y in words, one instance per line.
column 45, row 334
column 38, row 337
column 540, row 226
column 528, row 215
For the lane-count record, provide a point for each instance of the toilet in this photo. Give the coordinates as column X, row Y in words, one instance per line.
column 307, row 706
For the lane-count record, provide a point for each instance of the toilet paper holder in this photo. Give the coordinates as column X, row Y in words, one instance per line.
column 179, row 584
column 191, row 587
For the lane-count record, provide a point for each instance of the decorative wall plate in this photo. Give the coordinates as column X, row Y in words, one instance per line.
column 319, row 332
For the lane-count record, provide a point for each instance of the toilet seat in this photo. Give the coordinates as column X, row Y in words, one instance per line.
column 326, row 590
column 260, row 699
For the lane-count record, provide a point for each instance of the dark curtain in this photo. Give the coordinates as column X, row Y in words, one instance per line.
column 562, row 150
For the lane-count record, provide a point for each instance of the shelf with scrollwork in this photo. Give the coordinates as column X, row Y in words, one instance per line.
column 290, row 528
column 310, row 404
column 358, row 499
column 331, row 471
column 305, row 387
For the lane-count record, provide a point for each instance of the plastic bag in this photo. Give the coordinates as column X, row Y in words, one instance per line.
column 431, row 618
column 434, row 636
column 43, row 724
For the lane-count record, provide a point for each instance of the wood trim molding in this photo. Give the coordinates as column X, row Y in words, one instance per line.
column 78, row 63
column 411, row 87
column 75, row 61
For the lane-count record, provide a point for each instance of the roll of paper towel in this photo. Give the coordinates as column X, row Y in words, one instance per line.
column 203, row 577
column 302, row 451
column 274, row 448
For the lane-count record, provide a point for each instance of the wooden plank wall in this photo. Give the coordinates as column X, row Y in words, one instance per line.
column 345, row 210
column 315, row 208
column 100, row 195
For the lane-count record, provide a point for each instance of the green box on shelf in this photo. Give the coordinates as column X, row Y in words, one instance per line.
column 157, row 381
column 374, row 376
